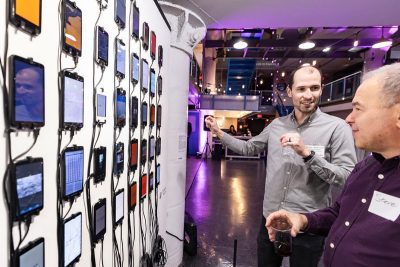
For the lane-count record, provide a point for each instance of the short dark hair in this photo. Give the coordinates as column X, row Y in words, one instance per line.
column 291, row 77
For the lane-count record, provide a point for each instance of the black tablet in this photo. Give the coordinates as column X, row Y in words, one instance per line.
column 160, row 56
column 120, row 59
column 135, row 69
column 72, row 240
column 135, row 22
column 73, row 101
column 118, row 208
column 120, row 13
column 132, row 196
column 134, row 111
column 99, row 220
column 72, row 30
column 27, row 15
column 27, row 96
column 119, row 158
column 143, row 151
column 120, row 108
column 27, row 187
column 32, row 254
column 100, row 156
column 133, row 161
column 73, row 168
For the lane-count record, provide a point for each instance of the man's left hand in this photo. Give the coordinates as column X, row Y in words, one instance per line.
column 295, row 141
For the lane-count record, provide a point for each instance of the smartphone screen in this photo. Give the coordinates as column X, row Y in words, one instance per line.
column 120, row 15
column 153, row 45
column 134, row 111
column 151, row 182
column 159, row 85
column 135, row 22
column 121, row 108
column 120, row 57
column 27, row 93
column 73, row 171
column 152, row 114
column 160, row 55
column 32, row 254
column 72, row 28
column 152, row 82
column 72, row 247
column 135, row 68
column 119, row 158
column 159, row 114
column 27, row 15
column 145, row 36
column 100, row 155
column 152, row 147
column 145, row 75
column 101, row 101
column 73, row 101
column 132, row 195
column 134, row 154
column 143, row 151
column 119, row 207
column 102, row 46
column 143, row 189
column 144, row 114
column 99, row 228
column 158, row 174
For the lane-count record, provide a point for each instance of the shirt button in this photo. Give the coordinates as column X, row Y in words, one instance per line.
column 332, row 245
column 281, row 203
column 285, row 188
column 287, row 172
column 347, row 223
column 381, row 176
column 363, row 200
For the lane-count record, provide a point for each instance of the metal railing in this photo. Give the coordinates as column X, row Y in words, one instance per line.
column 342, row 89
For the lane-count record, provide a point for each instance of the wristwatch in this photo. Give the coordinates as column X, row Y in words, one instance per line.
column 309, row 156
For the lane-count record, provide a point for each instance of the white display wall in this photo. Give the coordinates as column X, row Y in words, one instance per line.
column 44, row 49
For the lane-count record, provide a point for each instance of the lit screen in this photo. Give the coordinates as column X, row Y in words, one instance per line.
column 100, row 223
column 153, row 44
column 73, row 101
column 119, row 206
column 134, row 111
column 144, row 114
column 72, row 239
column 135, row 22
column 152, row 147
column 101, row 105
column 103, row 45
column 121, row 109
column 143, row 151
column 151, row 181
column 119, row 157
column 152, row 82
column 120, row 57
column 28, row 10
column 145, row 75
column 152, row 114
column 33, row 257
column 29, row 92
column 158, row 174
column 133, row 195
column 135, row 68
column 121, row 10
column 29, row 178
column 134, row 153
column 73, row 26
column 144, row 186
column 73, row 172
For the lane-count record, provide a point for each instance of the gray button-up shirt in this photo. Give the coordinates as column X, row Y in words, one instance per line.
column 290, row 183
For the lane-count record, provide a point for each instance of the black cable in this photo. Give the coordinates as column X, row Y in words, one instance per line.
column 174, row 236
column 102, row 252
column 195, row 175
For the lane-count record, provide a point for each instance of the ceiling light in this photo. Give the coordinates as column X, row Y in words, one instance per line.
column 382, row 42
column 307, row 44
column 243, row 86
column 306, row 65
column 326, row 49
column 230, row 89
column 240, row 44
column 314, row 62
column 261, row 81
column 355, row 43
column 283, row 74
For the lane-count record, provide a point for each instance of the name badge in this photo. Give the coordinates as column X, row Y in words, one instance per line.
column 385, row 206
column 319, row 150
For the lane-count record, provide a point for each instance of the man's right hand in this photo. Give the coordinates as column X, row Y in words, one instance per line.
column 298, row 222
column 211, row 124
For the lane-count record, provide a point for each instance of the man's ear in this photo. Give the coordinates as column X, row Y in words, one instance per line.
column 289, row 91
column 397, row 112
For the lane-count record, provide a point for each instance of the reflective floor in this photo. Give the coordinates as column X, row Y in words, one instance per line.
column 226, row 204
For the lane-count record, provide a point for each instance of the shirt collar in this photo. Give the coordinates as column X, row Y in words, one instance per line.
column 310, row 118
column 381, row 159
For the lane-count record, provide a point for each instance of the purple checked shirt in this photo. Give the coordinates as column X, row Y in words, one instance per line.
column 356, row 236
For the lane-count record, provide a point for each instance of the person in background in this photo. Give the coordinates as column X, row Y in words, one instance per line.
column 363, row 225
column 322, row 157
column 232, row 130
column 248, row 132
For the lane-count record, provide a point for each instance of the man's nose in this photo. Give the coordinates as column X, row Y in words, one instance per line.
column 307, row 93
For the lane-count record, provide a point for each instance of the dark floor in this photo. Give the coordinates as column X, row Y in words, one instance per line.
column 226, row 204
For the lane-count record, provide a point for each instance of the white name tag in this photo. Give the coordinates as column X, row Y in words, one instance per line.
column 385, row 206
column 319, row 150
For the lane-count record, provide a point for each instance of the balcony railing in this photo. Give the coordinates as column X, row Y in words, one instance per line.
column 341, row 90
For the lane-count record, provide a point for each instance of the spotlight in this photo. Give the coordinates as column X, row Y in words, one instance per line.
column 307, row 44
column 326, row 49
column 382, row 42
column 314, row 62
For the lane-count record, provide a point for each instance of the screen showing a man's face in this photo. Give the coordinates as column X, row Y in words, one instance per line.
column 29, row 92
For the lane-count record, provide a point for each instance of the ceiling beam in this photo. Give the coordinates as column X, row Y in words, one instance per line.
column 291, row 54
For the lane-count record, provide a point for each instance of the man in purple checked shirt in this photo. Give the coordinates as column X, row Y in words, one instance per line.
column 363, row 225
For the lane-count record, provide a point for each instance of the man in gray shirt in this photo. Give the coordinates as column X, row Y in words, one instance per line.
column 308, row 153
